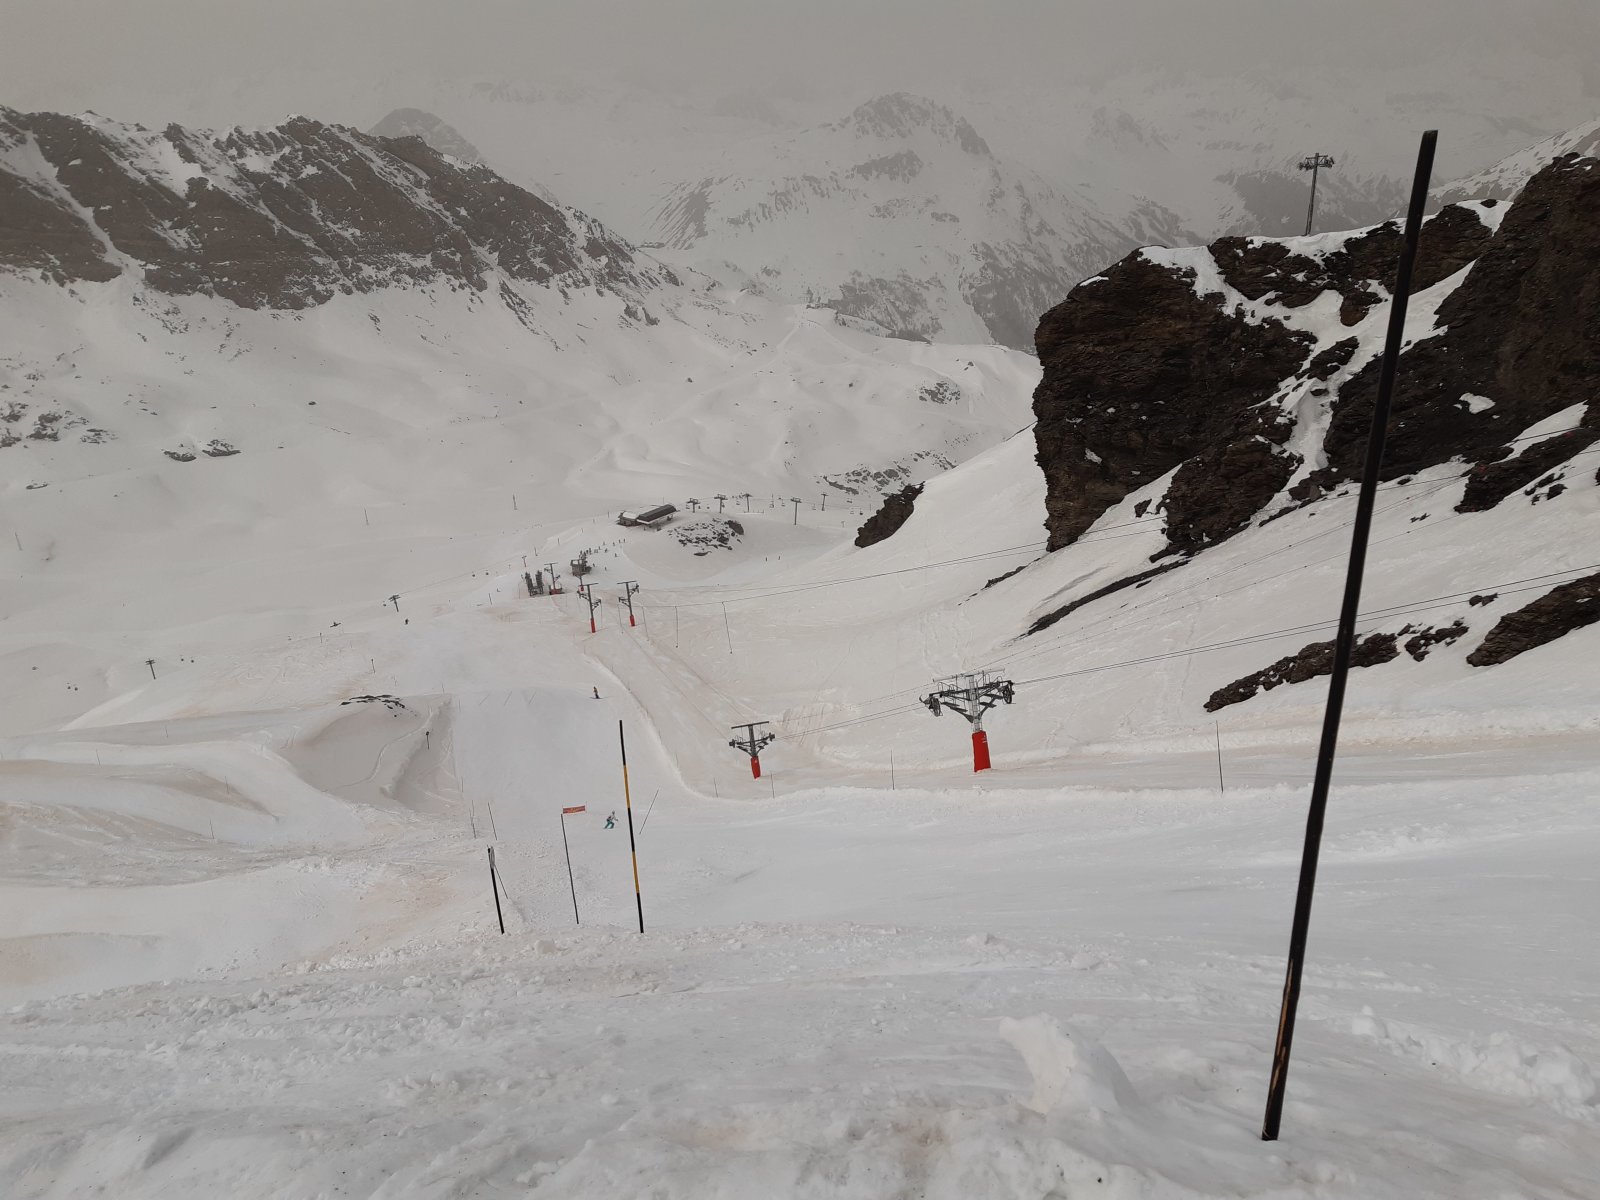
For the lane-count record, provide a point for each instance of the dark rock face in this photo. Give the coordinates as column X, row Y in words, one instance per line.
column 886, row 522
column 283, row 218
column 1553, row 615
column 1312, row 661
column 1144, row 374
column 1491, row 482
column 1269, row 270
column 1140, row 374
column 1216, row 492
column 1422, row 641
column 1523, row 331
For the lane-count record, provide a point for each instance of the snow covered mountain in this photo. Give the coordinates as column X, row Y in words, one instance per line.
column 284, row 218
column 1511, row 174
column 277, row 283
column 902, row 216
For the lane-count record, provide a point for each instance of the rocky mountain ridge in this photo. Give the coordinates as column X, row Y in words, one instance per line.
column 1246, row 369
column 1228, row 386
column 283, row 218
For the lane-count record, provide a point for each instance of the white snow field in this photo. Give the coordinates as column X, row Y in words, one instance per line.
column 250, row 948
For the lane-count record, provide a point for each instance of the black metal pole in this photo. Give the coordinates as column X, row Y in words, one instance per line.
column 570, row 884
column 1311, row 209
column 633, row 848
column 1345, row 641
column 494, row 886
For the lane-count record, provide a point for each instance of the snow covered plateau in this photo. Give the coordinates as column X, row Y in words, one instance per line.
column 275, row 681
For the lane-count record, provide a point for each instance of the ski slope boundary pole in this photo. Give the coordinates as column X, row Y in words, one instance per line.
column 570, row 884
column 1222, row 785
column 627, row 801
column 494, row 886
column 1345, row 641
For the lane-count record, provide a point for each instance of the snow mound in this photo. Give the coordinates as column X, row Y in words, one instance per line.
column 1499, row 1063
column 1070, row 1070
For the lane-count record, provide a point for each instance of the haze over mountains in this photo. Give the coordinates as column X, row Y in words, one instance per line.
column 1080, row 165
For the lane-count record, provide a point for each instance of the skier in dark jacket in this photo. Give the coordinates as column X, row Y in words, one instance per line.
column 611, row 821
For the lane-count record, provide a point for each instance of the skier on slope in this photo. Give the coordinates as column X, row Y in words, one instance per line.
column 611, row 821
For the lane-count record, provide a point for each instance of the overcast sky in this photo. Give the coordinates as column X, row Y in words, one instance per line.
column 134, row 53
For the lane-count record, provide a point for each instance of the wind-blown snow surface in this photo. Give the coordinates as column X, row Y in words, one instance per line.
column 251, row 948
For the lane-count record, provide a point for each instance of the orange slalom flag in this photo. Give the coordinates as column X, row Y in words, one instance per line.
column 579, row 808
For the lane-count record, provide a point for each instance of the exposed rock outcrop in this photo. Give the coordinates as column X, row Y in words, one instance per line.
column 1312, row 661
column 895, row 512
column 1553, row 615
column 1217, row 364
column 282, row 218
column 1141, row 373
column 1489, row 483
column 1522, row 332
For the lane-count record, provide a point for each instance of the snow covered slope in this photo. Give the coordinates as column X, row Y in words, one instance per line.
column 1510, row 175
column 172, row 360
column 266, row 710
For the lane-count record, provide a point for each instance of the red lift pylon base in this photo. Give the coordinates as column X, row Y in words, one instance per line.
column 980, row 750
column 755, row 767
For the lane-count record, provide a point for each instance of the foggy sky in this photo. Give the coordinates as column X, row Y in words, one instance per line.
column 134, row 55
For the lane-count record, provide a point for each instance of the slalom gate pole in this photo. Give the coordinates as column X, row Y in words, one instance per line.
column 573, row 886
column 494, row 886
column 627, row 800
column 1346, row 640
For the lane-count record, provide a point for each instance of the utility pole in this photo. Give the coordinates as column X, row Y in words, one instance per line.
column 1314, row 164
column 151, row 663
column 745, row 496
column 629, row 587
column 587, row 593
column 395, row 600
column 753, row 743
column 550, row 567
column 971, row 695
column 824, row 501
column 720, row 499
column 692, row 504
column 795, row 500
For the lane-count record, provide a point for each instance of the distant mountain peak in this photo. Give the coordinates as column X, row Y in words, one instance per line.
column 902, row 114
column 438, row 133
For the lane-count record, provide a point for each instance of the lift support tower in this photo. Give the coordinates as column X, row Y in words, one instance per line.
column 971, row 695
column 753, row 743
